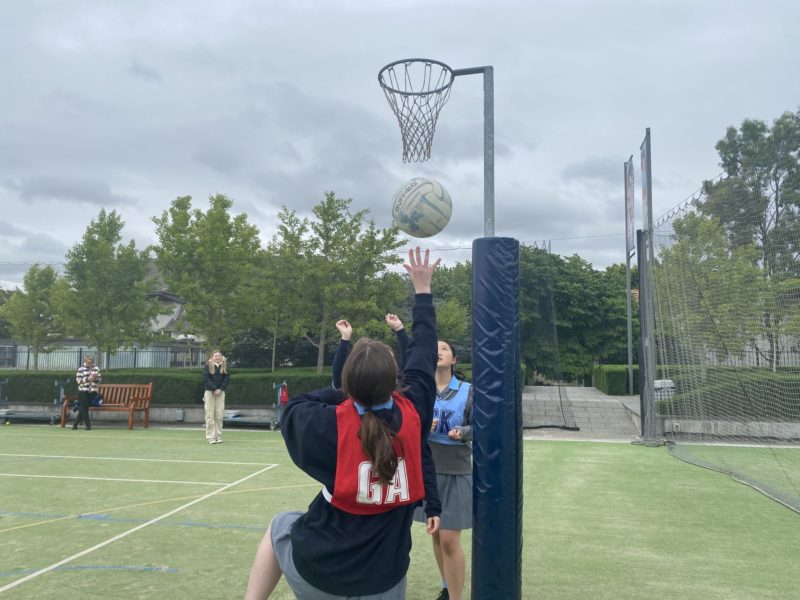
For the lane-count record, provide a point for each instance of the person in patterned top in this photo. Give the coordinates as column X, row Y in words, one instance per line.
column 88, row 379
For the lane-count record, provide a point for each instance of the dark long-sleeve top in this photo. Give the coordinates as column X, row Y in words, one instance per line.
column 216, row 380
column 339, row 552
column 433, row 505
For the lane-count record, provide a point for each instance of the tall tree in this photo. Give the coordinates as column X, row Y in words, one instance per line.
column 107, row 302
column 614, row 349
column 33, row 313
column 208, row 259
column 570, row 314
column 453, row 299
column 337, row 263
column 699, row 281
column 758, row 204
column 5, row 326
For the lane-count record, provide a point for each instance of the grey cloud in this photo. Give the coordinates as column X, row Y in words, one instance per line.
column 603, row 170
column 265, row 105
column 7, row 229
column 66, row 189
column 218, row 160
column 27, row 249
column 44, row 246
column 71, row 105
column 144, row 72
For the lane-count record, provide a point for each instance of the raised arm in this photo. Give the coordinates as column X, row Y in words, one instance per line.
column 401, row 337
column 342, row 352
column 422, row 356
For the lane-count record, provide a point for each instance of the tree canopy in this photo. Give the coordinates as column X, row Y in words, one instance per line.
column 33, row 313
column 208, row 259
column 335, row 265
column 106, row 301
column 757, row 204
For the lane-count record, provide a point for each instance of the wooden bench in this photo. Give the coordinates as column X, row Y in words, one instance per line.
column 118, row 397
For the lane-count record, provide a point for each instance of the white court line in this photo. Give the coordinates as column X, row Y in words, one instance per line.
column 24, row 475
column 14, row 584
column 167, row 460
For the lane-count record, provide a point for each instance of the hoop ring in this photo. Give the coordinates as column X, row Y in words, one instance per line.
column 385, row 85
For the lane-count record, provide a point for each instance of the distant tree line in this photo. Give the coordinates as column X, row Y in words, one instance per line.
column 733, row 267
column 243, row 292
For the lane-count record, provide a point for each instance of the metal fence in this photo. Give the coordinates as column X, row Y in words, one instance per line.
column 22, row 358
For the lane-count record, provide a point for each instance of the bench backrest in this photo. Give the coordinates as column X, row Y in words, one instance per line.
column 125, row 393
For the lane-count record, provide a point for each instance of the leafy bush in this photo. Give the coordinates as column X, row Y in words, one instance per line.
column 748, row 393
column 613, row 379
column 170, row 386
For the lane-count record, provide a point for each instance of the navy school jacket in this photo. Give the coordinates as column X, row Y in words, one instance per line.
column 339, row 552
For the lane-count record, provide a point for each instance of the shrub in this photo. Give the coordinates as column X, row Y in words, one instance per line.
column 742, row 393
column 613, row 379
column 170, row 386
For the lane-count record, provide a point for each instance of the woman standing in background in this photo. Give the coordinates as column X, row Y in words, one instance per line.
column 215, row 380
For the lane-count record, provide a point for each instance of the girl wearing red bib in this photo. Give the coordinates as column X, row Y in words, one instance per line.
column 363, row 443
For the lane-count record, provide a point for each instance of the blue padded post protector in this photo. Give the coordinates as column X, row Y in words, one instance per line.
column 497, row 421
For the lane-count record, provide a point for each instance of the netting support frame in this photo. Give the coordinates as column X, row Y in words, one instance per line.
column 488, row 143
column 650, row 435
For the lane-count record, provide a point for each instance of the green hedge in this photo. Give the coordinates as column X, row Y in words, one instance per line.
column 749, row 393
column 170, row 386
column 613, row 379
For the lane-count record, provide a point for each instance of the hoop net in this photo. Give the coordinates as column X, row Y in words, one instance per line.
column 416, row 89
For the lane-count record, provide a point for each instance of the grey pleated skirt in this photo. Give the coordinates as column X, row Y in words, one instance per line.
column 280, row 531
column 455, row 492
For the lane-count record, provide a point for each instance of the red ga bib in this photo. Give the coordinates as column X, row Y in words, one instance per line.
column 357, row 489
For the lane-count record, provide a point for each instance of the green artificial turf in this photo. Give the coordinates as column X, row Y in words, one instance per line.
column 601, row 520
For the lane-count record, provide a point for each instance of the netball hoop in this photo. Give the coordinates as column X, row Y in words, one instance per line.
column 416, row 89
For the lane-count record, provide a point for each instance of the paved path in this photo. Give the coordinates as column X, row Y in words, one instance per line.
column 598, row 416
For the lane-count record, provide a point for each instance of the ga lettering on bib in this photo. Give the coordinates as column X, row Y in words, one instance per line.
column 357, row 489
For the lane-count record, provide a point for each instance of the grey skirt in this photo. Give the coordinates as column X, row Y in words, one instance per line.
column 455, row 493
column 281, row 528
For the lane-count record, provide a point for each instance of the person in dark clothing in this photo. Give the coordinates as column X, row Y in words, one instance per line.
column 364, row 445
column 215, row 381
column 88, row 379
column 433, row 507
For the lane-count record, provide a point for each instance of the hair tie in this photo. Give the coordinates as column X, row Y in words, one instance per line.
column 361, row 409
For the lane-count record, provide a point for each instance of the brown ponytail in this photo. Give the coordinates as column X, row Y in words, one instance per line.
column 376, row 441
column 369, row 377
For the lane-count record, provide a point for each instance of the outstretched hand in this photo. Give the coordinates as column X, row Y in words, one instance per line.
column 420, row 270
column 345, row 329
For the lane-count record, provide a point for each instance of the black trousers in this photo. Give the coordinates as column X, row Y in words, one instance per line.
column 84, row 401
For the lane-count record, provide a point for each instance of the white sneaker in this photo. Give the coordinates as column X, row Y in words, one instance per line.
column 212, row 441
column 219, row 440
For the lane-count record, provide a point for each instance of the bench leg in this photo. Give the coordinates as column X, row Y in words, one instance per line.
column 63, row 414
column 130, row 419
column 147, row 417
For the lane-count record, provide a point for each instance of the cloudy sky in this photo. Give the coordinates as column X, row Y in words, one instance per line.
column 126, row 105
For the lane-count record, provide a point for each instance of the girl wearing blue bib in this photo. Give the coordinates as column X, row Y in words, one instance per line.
column 450, row 443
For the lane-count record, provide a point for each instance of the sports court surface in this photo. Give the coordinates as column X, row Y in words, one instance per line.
column 157, row 513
